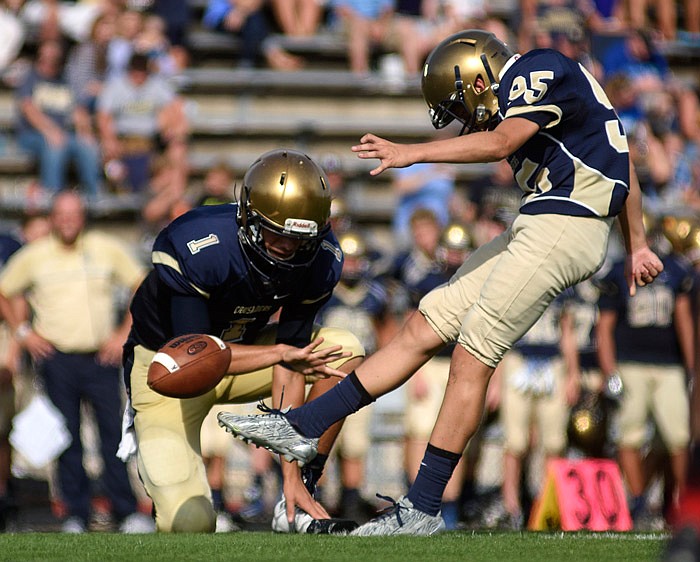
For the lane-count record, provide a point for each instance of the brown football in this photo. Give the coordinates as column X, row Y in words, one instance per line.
column 189, row 366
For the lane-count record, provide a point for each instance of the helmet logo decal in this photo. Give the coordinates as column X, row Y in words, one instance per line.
column 301, row 226
column 195, row 246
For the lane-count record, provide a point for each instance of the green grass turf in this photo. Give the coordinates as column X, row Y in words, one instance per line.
column 259, row 547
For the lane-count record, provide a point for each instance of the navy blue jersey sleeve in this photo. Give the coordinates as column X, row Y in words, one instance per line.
column 538, row 89
column 193, row 255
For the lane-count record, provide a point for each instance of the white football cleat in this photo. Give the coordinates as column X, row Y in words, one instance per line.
column 273, row 432
column 401, row 518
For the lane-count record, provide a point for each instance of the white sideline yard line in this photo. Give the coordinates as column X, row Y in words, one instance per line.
column 584, row 535
column 651, row 536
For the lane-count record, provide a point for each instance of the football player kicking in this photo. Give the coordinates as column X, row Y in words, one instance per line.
column 551, row 120
column 225, row 270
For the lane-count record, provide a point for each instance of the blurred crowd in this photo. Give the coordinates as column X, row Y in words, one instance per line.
column 98, row 93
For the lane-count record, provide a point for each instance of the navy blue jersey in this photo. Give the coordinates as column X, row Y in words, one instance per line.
column 356, row 308
column 578, row 162
column 584, row 307
column 199, row 255
column 543, row 339
column 8, row 246
column 645, row 330
column 418, row 274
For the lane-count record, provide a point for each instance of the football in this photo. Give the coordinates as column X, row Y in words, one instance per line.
column 189, row 366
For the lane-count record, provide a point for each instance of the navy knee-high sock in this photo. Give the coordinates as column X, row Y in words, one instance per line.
column 435, row 471
column 345, row 398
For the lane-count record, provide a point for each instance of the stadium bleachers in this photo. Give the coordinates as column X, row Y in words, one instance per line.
column 236, row 114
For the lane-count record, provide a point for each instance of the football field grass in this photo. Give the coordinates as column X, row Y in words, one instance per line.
column 259, row 547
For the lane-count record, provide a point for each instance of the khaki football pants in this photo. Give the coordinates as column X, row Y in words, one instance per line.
column 168, row 434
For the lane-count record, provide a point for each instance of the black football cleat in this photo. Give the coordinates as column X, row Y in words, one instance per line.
column 331, row 527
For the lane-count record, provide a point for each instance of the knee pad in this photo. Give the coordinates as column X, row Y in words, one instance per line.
column 195, row 515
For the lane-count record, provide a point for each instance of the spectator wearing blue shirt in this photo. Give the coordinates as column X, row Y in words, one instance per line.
column 52, row 127
column 248, row 21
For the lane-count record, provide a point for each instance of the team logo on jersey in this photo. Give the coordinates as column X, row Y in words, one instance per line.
column 195, row 246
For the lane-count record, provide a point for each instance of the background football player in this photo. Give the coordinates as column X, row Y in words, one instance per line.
column 225, row 270
column 550, row 118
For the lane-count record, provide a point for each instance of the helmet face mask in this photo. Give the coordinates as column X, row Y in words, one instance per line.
column 286, row 193
column 460, row 80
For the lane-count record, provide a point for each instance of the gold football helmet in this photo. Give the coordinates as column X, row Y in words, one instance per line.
column 677, row 230
column 588, row 424
column 286, row 192
column 455, row 245
column 460, row 80
column 455, row 236
column 356, row 263
column 692, row 245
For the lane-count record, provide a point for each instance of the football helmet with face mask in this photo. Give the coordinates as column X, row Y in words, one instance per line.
column 460, row 80
column 287, row 193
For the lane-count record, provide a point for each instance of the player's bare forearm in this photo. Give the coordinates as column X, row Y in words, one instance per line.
column 631, row 218
column 488, row 146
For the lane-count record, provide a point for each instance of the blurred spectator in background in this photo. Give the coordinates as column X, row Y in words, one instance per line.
column 647, row 344
column 298, row 18
column 76, row 343
column 138, row 115
column 545, row 23
column 217, row 186
column 421, row 186
column 54, row 19
column 178, row 17
column 638, row 59
column 247, row 20
column 418, row 25
column 662, row 16
column 12, row 31
column 647, row 151
column 53, row 127
column 358, row 304
column 9, row 364
column 331, row 163
column 86, row 68
column 366, row 25
column 540, row 380
column 167, row 200
column 153, row 42
column 121, row 47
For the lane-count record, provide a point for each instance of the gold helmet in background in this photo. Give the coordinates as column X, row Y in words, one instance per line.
column 677, row 229
column 692, row 245
column 460, row 80
column 286, row 192
column 456, row 243
column 588, row 423
column 356, row 264
column 352, row 244
column 455, row 236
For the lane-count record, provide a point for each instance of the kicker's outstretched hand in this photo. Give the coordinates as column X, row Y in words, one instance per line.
column 390, row 154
